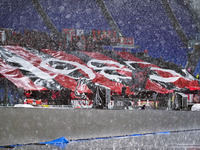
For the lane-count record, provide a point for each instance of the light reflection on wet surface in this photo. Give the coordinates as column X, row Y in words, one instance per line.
column 189, row 140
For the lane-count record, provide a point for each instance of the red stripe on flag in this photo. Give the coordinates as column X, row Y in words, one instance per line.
column 35, row 60
column 17, row 78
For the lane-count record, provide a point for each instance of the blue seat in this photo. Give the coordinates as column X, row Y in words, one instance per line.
column 144, row 20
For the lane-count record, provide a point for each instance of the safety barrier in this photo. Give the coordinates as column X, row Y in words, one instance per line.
column 36, row 125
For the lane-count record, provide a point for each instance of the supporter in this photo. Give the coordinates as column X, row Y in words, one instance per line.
column 54, row 45
column 197, row 76
column 89, row 44
column 72, row 95
column 61, row 45
column 148, row 95
column 43, row 96
column 11, row 96
column 32, row 39
column 106, row 41
column 48, row 45
column 65, row 96
column 146, row 53
column 123, row 92
column 49, row 97
column 16, row 95
column 1, row 95
column 64, row 44
column 28, row 93
column 154, row 96
column 55, row 97
column 72, row 45
column 69, row 91
column 80, row 44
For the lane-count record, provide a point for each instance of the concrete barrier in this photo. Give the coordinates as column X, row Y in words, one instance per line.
column 30, row 125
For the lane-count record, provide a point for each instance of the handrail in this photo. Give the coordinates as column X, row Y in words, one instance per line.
column 46, row 18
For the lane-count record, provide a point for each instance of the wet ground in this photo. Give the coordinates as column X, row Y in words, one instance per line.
column 183, row 140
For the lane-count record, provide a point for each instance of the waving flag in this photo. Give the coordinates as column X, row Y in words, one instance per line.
column 47, row 69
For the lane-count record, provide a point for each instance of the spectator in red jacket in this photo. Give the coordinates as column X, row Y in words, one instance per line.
column 28, row 93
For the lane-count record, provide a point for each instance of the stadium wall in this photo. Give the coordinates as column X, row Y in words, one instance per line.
column 32, row 125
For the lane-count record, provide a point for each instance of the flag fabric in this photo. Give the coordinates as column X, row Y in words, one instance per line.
column 47, row 69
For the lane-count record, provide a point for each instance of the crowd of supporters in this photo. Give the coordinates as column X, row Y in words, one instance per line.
column 43, row 40
column 50, row 97
column 11, row 95
column 34, row 39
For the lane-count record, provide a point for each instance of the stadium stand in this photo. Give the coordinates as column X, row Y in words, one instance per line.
column 145, row 20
